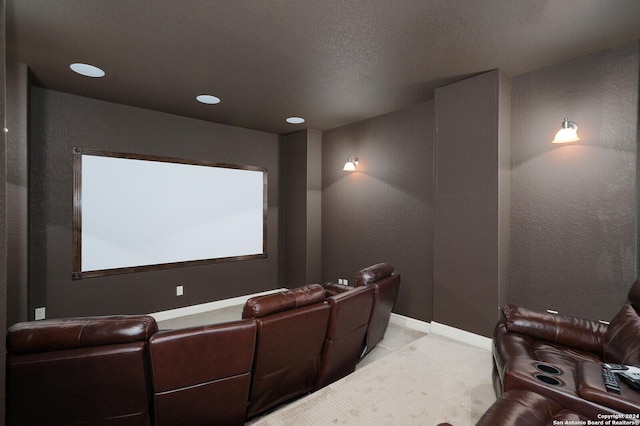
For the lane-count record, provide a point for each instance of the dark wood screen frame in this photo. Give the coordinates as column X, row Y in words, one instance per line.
column 78, row 274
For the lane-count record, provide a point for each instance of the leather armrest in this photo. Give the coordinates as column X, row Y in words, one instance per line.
column 566, row 330
column 591, row 387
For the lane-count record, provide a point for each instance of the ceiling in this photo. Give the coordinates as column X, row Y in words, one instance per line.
column 332, row 62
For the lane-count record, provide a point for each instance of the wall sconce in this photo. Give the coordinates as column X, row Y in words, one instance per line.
column 350, row 165
column 568, row 132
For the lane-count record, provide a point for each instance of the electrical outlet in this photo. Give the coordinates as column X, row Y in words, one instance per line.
column 179, row 290
column 40, row 313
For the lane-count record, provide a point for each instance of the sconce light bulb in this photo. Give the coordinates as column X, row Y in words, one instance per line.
column 350, row 165
column 568, row 132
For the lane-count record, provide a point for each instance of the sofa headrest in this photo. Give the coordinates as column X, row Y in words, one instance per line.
column 634, row 294
column 260, row 306
column 373, row 273
column 74, row 333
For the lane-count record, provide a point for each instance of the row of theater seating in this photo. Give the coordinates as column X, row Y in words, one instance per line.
column 120, row 370
column 548, row 367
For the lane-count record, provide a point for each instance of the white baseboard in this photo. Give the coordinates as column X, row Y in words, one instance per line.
column 452, row 333
column 205, row 307
column 411, row 323
column 463, row 336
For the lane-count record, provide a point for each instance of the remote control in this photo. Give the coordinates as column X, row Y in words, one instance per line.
column 611, row 366
column 610, row 379
column 630, row 380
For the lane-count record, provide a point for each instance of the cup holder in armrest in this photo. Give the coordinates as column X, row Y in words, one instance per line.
column 549, row 369
column 548, row 380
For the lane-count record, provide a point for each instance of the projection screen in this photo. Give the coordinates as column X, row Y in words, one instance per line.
column 133, row 213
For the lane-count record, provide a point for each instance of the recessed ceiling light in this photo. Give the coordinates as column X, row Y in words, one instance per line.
column 295, row 120
column 87, row 70
column 208, row 99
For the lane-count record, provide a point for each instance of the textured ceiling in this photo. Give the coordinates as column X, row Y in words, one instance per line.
column 330, row 61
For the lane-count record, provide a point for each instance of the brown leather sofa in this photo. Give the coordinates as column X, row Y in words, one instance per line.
column 559, row 358
column 79, row 371
column 119, row 370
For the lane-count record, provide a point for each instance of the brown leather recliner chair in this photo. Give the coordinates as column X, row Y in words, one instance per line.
column 291, row 329
column 90, row 370
column 350, row 311
column 201, row 375
column 386, row 285
column 560, row 356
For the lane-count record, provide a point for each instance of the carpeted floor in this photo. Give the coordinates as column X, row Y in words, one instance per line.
column 429, row 381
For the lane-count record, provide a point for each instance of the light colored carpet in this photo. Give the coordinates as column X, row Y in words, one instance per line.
column 395, row 338
column 429, row 381
column 230, row 313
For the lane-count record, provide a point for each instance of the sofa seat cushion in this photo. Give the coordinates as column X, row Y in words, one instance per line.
column 516, row 345
column 509, row 346
column 621, row 343
column 552, row 353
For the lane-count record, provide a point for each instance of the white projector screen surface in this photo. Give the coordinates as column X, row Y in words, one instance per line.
column 142, row 213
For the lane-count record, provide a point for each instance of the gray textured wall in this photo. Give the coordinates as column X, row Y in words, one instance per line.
column 294, row 208
column 60, row 121
column 383, row 211
column 3, row 217
column 573, row 214
column 314, row 206
column 17, row 97
column 300, row 192
column 470, row 225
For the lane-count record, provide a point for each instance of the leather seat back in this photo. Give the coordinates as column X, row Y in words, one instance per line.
column 90, row 370
column 634, row 294
column 201, row 375
column 386, row 284
column 350, row 311
column 291, row 329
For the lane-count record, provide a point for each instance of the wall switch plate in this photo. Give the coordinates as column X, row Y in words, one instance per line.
column 343, row 281
column 179, row 290
column 40, row 313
